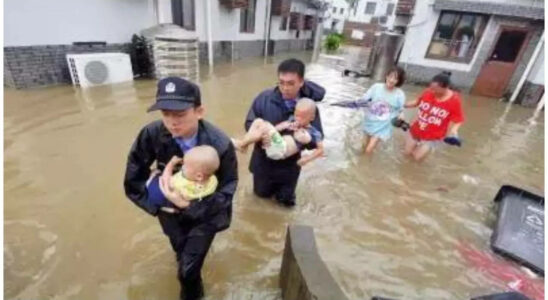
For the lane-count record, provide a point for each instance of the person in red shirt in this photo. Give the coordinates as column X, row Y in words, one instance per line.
column 438, row 120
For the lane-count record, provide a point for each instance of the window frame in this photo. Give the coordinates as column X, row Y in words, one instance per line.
column 390, row 5
column 467, row 59
column 177, row 14
column 374, row 4
column 284, row 21
column 247, row 22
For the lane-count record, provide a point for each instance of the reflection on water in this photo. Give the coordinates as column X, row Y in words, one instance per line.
column 385, row 225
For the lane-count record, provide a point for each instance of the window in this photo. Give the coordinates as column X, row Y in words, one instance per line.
column 309, row 22
column 341, row 11
column 383, row 19
column 283, row 23
column 247, row 17
column 456, row 36
column 390, row 9
column 296, row 21
column 334, row 10
column 183, row 13
column 370, row 8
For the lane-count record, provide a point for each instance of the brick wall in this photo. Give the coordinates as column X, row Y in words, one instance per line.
column 8, row 79
column 222, row 51
column 244, row 49
column 227, row 50
column 280, row 46
column 33, row 66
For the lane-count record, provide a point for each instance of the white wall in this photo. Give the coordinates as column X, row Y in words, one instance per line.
column 260, row 16
column 164, row 12
column 380, row 10
column 200, row 19
column 337, row 15
column 419, row 34
column 537, row 73
column 226, row 22
column 41, row 22
column 277, row 34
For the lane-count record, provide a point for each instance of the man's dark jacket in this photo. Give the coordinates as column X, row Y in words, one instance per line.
column 155, row 143
column 269, row 105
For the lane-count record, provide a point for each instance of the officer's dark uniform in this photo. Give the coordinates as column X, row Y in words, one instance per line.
column 278, row 177
column 192, row 230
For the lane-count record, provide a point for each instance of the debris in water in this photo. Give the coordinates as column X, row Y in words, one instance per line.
column 443, row 189
column 469, row 179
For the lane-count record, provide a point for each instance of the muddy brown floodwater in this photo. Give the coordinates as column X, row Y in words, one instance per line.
column 384, row 225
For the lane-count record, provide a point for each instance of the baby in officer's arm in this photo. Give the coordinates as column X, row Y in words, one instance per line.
column 194, row 181
column 297, row 132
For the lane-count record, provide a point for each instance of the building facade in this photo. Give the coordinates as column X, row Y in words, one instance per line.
column 38, row 34
column 367, row 17
column 335, row 16
column 374, row 12
column 486, row 45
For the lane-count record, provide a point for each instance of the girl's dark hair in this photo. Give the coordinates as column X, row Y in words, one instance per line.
column 400, row 73
column 443, row 79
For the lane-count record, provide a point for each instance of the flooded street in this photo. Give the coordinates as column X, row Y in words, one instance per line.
column 384, row 225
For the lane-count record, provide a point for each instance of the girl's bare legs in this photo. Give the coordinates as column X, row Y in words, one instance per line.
column 410, row 145
column 365, row 141
column 421, row 152
column 371, row 144
column 416, row 151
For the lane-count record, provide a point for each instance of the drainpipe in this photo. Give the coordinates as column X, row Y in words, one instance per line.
column 528, row 69
column 155, row 12
column 209, row 35
column 267, row 21
column 318, row 37
column 540, row 105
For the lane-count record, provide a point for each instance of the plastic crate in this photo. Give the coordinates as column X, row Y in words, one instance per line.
column 519, row 232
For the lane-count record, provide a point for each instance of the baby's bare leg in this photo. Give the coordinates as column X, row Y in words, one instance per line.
column 256, row 131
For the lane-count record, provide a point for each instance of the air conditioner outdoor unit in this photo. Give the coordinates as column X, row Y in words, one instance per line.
column 93, row 69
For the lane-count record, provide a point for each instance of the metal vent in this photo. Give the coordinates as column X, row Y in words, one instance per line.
column 96, row 72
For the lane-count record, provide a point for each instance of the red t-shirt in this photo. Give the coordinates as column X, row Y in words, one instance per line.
column 434, row 116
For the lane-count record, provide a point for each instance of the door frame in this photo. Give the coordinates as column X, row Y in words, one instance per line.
column 501, row 29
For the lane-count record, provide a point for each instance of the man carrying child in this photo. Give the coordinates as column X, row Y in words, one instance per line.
column 272, row 177
column 196, row 203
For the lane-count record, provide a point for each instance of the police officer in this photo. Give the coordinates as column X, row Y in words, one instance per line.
column 279, row 178
column 190, row 228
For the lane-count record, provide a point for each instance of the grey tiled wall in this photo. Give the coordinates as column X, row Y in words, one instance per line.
column 33, row 66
